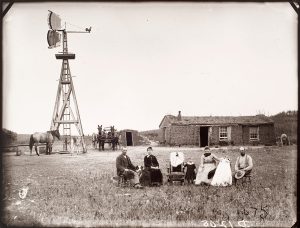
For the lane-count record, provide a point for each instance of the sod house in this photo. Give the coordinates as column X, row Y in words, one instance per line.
column 216, row 130
column 129, row 137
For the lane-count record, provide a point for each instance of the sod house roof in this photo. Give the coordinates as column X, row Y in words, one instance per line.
column 218, row 120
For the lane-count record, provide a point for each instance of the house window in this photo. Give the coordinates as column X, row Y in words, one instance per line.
column 253, row 132
column 223, row 134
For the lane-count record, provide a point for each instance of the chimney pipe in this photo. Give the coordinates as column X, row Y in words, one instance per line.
column 179, row 115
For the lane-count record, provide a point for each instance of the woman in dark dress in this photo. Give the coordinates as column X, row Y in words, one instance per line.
column 151, row 164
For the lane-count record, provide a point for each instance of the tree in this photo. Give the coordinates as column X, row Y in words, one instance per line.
column 7, row 136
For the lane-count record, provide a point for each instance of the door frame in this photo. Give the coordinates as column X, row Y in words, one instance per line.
column 131, row 138
column 209, row 129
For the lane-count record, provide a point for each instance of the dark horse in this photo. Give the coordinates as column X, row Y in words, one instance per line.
column 115, row 142
column 101, row 141
column 112, row 140
column 107, row 138
column 46, row 137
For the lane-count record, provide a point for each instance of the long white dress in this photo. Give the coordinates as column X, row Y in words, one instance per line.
column 207, row 164
column 176, row 158
column 223, row 176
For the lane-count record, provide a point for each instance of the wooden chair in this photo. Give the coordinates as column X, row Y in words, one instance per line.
column 245, row 179
column 122, row 181
column 176, row 174
column 154, row 183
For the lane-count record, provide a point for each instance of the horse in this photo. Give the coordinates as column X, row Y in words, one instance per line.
column 101, row 141
column 94, row 140
column 284, row 139
column 45, row 137
column 99, row 129
column 109, row 137
column 115, row 142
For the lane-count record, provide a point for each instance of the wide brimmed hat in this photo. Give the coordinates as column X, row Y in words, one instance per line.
column 206, row 148
column 239, row 174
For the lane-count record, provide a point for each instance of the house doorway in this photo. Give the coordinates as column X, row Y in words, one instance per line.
column 163, row 135
column 129, row 141
column 203, row 136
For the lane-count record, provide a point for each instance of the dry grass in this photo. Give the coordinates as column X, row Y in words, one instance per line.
column 77, row 191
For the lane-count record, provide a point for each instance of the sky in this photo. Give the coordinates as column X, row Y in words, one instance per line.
column 142, row 61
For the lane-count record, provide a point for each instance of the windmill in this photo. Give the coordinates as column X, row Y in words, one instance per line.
column 63, row 113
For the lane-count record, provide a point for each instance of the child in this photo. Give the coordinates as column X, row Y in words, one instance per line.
column 190, row 174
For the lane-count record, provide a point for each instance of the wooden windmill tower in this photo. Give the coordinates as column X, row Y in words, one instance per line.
column 66, row 101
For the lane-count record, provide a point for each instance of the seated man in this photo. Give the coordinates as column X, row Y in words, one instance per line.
column 126, row 168
column 244, row 163
column 152, row 166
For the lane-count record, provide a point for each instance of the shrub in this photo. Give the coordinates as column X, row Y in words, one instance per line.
column 223, row 143
column 7, row 136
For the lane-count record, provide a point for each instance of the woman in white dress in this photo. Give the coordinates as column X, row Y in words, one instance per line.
column 223, row 176
column 207, row 166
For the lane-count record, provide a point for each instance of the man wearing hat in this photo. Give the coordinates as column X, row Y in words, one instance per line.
column 243, row 165
column 126, row 168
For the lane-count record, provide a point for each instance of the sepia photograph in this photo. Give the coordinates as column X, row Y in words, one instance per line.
column 149, row 114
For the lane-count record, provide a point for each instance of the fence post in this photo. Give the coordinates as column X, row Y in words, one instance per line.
column 18, row 152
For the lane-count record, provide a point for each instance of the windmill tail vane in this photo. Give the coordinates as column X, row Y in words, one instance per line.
column 55, row 30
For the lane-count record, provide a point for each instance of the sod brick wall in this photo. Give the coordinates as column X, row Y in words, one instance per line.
column 189, row 135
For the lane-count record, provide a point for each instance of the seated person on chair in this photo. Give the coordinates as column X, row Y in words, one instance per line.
column 243, row 163
column 151, row 165
column 207, row 167
column 126, row 168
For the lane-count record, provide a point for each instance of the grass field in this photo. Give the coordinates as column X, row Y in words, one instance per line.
column 77, row 191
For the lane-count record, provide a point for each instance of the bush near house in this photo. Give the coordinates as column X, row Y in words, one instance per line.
column 152, row 135
column 286, row 122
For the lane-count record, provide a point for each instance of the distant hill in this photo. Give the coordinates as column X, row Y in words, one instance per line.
column 286, row 122
column 23, row 138
column 151, row 134
column 155, row 131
